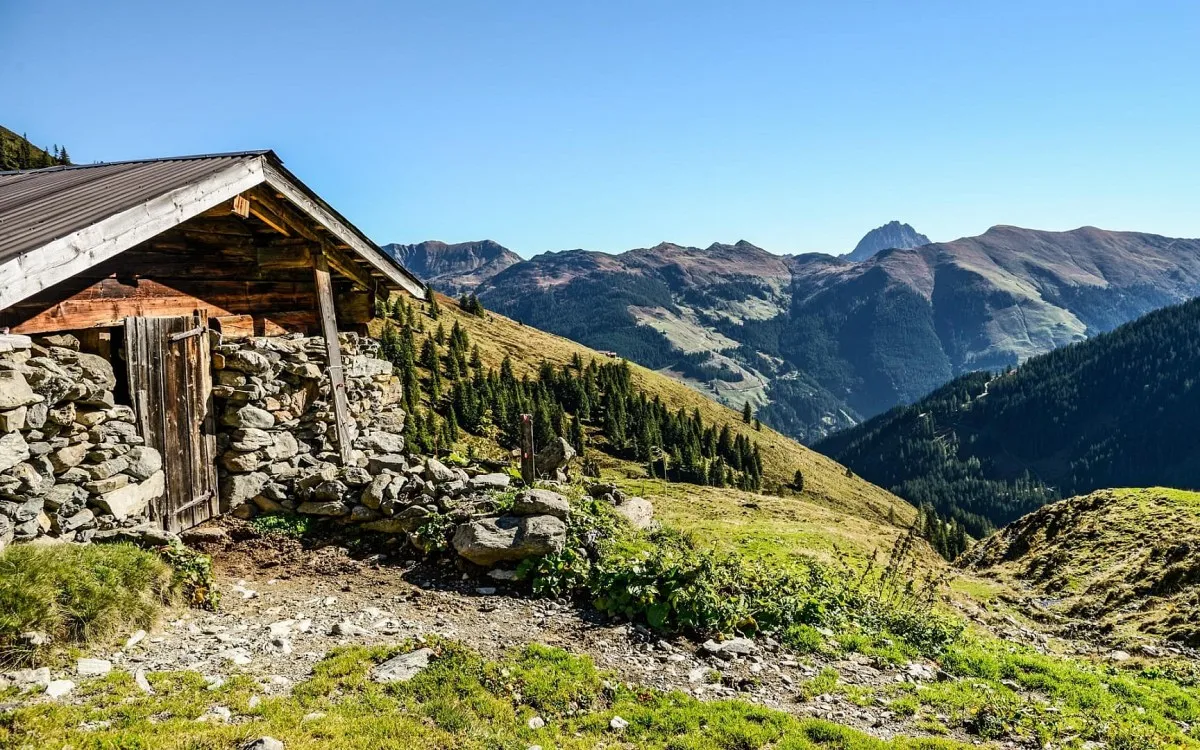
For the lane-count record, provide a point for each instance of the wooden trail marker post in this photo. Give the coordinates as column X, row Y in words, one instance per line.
column 528, row 470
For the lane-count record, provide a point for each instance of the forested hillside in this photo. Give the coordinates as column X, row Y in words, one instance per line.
column 16, row 152
column 1118, row 410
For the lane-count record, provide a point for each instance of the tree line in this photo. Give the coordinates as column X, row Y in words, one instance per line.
column 16, row 152
column 447, row 389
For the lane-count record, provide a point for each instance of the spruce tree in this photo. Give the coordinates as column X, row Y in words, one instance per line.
column 747, row 413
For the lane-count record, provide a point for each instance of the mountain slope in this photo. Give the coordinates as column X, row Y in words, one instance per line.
column 1116, row 410
column 18, row 153
column 453, row 269
column 819, row 343
column 1120, row 562
column 889, row 236
column 826, row 483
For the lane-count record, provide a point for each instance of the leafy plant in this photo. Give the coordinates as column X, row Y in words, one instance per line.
column 434, row 534
column 192, row 575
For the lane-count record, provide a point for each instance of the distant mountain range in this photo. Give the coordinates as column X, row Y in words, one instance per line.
column 818, row 343
column 454, row 269
column 1117, row 410
column 890, row 236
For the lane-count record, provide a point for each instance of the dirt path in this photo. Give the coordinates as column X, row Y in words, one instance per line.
column 285, row 606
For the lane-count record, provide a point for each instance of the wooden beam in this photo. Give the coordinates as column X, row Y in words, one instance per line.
column 327, row 219
column 348, row 267
column 333, row 350
column 42, row 267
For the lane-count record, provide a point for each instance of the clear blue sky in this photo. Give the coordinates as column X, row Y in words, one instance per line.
column 611, row 125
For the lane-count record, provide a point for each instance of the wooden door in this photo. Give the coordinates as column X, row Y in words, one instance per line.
column 170, row 383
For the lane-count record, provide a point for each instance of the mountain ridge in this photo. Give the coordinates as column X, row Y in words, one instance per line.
column 819, row 343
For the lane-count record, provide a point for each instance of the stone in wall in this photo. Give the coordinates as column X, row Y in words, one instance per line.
column 72, row 463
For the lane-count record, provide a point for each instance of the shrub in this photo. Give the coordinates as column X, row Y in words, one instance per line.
column 77, row 594
column 668, row 581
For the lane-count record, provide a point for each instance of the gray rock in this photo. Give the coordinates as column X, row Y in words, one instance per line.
column 391, row 462
column 554, row 456
column 97, row 370
column 487, row 541
column 283, row 446
column 638, row 511
column 263, row 743
column 437, row 472
column 250, row 417
column 13, row 450
column 237, row 489
column 404, row 667
column 382, row 442
column 144, row 462
column 250, row 439
column 13, row 419
column 374, row 493
column 84, row 519
column 323, row 508
column 541, row 503
column 133, row 499
column 730, row 648
column 70, row 456
column 15, row 391
column 485, row 482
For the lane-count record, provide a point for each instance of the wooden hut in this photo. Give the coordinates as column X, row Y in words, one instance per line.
column 140, row 259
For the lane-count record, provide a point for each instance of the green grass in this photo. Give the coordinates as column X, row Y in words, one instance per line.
column 1123, row 562
column 460, row 701
column 77, row 594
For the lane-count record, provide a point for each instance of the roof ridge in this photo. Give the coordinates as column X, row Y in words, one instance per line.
column 190, row 157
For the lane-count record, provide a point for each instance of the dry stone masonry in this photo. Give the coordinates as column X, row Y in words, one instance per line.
column 72, row 464
column 279, row 454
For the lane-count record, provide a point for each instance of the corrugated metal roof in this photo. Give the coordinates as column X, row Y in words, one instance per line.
column 39, row 206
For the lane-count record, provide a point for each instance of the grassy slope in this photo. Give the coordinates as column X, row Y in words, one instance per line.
column 825, row 481
column 1123, row 560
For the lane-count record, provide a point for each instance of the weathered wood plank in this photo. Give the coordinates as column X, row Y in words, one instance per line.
column 333, row 351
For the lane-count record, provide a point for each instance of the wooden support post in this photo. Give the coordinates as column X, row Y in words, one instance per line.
column 528, row 470
column 333, row 351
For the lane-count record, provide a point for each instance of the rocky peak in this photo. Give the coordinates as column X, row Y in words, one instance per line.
column 889, row 236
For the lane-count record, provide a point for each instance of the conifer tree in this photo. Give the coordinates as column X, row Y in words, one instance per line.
column 747, row 413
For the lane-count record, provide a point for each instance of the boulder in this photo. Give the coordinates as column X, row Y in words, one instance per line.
column 554, row 457
column 437, row 472
column 373, row 495
column 638, row 511
column 487, row 541
column 250, row 439
column 402, row 668
column 541, row 503
column 132, row 500
column 15, row 391
column 13, row 450
column 263, row 743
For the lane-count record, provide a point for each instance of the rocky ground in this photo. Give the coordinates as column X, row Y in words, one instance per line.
column 284, row 606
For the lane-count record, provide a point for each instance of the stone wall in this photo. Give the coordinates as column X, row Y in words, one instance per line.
column 72, row 464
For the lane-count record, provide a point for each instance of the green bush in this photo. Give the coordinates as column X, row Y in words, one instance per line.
column 291, row 525
column 77, row 594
